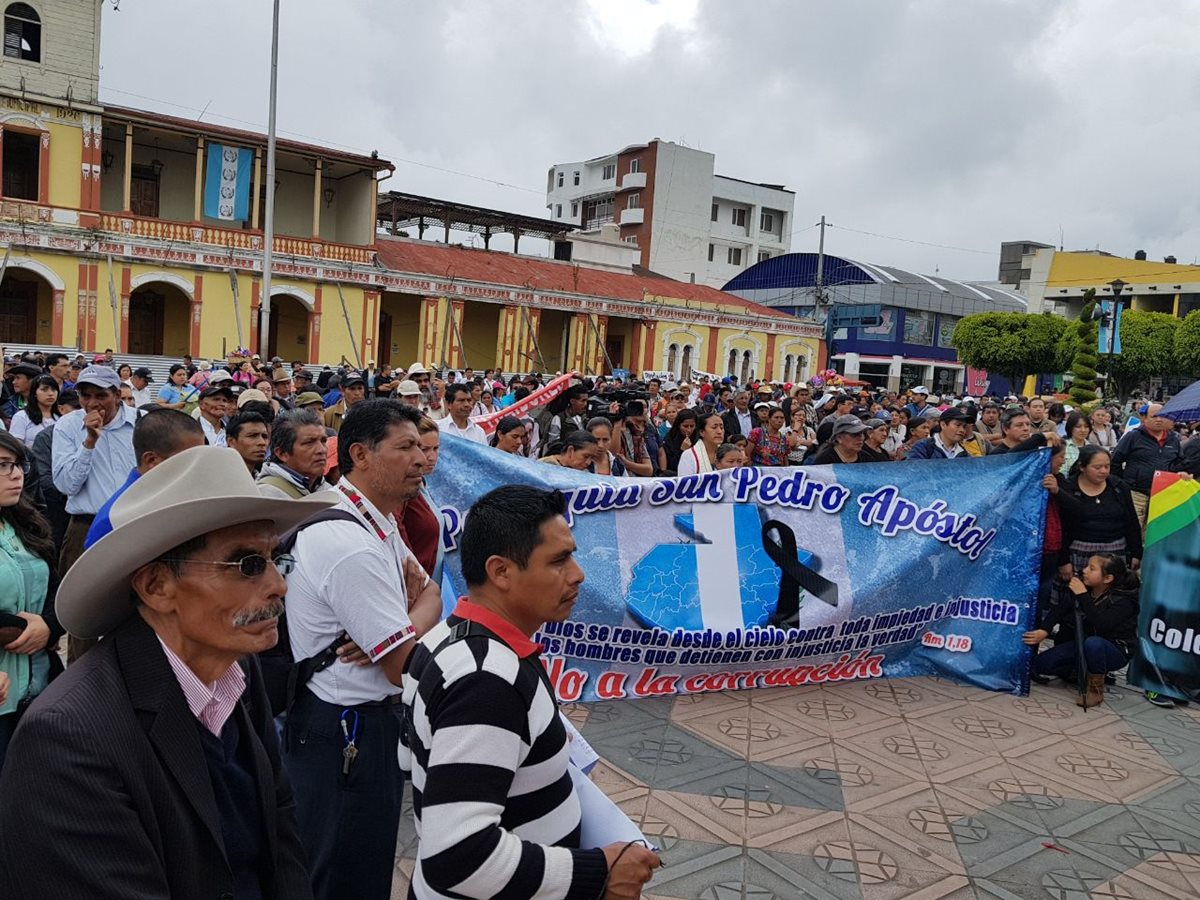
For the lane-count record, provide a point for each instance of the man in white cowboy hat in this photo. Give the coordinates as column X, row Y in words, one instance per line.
column 151, row 767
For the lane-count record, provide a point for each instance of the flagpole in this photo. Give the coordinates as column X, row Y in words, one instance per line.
column 264, row 326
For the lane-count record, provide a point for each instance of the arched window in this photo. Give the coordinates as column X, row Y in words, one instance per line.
column 22, row 33
column 801, row 368
column 673, row 359
column 789, row 363
column 731, row 368
column 685, row 371
column 745, row 373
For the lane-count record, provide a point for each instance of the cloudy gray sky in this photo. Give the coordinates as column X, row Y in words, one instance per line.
column 953, row 122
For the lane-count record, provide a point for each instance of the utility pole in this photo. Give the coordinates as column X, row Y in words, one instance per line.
column 264, row 319
column 820, row 299
column 820, row 285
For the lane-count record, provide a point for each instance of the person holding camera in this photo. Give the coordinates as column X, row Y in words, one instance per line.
column 566, row 412
column 635, row 442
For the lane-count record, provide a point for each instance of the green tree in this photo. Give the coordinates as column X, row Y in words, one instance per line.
column 1187, row 345
column 1147, row 350
column 1011, row 344
column 1083, row 366
column 1067, row 346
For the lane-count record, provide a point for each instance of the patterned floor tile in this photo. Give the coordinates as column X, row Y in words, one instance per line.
column 1160, row 864
column 1092, row 772
column 911, row 835
column 795, row 830
column 872, row 789
column 835, row 712
column 792, row 875
column 710, row 819
column 700, row 871
column 1032, row 870
column 915, row 788
column 981, row 727
column 1183, row 821
column 894, row 860
column 813, row 789
column 701, row 775
column 890, row 745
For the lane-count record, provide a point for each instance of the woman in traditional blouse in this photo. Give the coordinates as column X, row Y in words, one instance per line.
column 767, row 445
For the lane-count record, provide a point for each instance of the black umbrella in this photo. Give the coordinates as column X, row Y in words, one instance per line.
column 1082, row 658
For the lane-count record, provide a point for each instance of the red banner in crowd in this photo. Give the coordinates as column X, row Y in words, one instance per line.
column 977, row 382
column 529, row 405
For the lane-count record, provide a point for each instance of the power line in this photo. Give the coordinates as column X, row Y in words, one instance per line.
column 891, row 237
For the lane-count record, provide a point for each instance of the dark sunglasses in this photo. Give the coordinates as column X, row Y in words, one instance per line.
column 252, row 565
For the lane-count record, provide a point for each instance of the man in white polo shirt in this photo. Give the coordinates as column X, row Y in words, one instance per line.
column 357, row 578
column 458, row 422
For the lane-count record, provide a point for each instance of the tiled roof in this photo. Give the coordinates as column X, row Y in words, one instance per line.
column 450, row 261
column 191, row 126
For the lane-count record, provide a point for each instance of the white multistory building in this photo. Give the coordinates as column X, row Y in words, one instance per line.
column 688, row 222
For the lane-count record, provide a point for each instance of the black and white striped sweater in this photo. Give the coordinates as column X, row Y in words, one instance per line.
column 496, row 813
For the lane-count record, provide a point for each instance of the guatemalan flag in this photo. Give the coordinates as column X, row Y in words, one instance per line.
column 227, row 183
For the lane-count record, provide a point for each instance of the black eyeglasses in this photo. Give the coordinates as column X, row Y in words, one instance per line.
column 252, row 565
column 7, row 466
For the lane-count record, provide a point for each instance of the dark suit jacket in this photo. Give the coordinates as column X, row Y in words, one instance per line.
column 105, row 792
column 732, row 426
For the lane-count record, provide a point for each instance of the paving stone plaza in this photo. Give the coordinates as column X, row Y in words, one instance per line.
column 917, row 788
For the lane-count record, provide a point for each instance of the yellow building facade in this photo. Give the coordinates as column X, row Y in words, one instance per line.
column 1058, row 281
column 456, row 306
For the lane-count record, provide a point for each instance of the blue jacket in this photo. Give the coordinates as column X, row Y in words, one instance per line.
column 927, row 448
column 102, row 525
column 1138, row 456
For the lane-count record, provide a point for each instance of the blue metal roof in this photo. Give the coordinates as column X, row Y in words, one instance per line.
column 793, row 270
column 789, row 281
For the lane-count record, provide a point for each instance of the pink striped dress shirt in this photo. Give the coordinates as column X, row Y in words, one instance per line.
column 214, row 703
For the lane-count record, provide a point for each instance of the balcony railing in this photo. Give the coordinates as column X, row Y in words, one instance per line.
column 634, row 216
column 163, row 230
column 633, row 181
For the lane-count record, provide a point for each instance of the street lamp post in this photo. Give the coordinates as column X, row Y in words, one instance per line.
column 1111, row 321
column 264, row 320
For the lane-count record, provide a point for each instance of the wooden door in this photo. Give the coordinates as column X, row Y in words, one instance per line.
column 18, row 312
column 143, row 192
column 383, row 344
column 146, row 323
column 273, row 334
column 615, row 347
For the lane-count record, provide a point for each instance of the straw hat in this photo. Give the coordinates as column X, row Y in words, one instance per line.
column 194, row 492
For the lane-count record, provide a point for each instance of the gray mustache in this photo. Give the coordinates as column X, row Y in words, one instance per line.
column 249, row 617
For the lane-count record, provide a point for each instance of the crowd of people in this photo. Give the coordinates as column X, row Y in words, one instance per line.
column 158, row 527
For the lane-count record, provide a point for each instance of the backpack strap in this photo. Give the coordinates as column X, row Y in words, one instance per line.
column 284, row 675
column 284, row 485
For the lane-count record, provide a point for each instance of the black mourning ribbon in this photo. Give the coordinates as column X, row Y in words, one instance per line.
column 794, row 575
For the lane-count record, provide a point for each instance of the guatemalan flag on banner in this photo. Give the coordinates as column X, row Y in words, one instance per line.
column 227, row 183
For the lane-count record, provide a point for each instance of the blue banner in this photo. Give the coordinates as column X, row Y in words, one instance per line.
column 759, row 577
column 227, row 183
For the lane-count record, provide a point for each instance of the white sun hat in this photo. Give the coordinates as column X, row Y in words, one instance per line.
column 194, row 492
